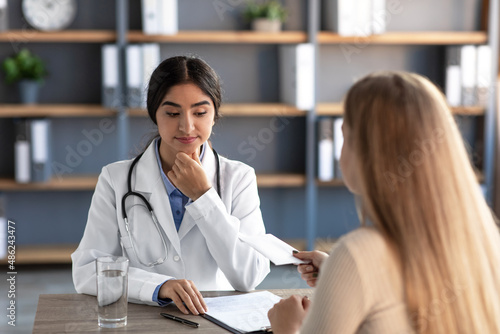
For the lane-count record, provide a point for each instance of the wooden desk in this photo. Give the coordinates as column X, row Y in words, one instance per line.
column 74, row 313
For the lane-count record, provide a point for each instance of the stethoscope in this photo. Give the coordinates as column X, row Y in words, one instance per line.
column 150, row 209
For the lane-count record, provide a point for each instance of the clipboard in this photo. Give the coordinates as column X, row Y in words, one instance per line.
column 231, row 329
column 243, row 313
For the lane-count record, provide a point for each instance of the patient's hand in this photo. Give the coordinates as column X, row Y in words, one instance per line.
column 310, row 271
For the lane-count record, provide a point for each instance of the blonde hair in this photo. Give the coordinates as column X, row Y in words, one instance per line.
column 419, row 189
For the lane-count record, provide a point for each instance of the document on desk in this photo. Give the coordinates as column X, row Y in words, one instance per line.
column 276, row 250
column 242, row 313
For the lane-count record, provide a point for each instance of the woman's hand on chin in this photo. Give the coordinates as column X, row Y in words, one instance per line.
column 188, row 176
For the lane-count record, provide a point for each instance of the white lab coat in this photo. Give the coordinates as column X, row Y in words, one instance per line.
column 206, row 249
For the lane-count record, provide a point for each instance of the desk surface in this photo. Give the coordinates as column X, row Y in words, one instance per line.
column 74, row 313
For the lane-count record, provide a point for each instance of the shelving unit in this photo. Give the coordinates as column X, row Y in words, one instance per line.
column 336, row 109
column 65, row 36
column 304, row 182
column 409, row 38
column 236, row 37
column 244, row 109
column 55, row 110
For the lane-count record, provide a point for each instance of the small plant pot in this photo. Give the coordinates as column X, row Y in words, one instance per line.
column 28, row 91
column 266, row 25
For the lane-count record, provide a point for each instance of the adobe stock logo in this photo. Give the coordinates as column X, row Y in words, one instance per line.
column 74, row 156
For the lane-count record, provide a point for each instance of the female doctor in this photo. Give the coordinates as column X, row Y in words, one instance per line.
column 176, row 210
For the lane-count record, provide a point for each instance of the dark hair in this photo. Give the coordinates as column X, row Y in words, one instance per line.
column 179, row 70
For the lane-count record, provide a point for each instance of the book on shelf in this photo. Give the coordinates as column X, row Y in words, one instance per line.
column 40, row 150
column 297, row 75
column 159, row 17
column 4, row 17
column 355, row 17
column 134, row 76
column 325, row 149
column 110, row 92
column 22, row 152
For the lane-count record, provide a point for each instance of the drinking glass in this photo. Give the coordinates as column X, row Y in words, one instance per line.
column 112, row 287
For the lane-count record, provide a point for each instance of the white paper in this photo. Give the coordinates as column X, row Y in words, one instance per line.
column 246, row 312
column 276, row 250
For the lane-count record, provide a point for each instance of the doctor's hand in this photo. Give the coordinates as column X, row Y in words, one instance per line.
column 288, row 314
column 188, row 175
column 184, row 294
column 310, row 271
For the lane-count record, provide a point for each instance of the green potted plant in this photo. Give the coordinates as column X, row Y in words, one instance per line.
column 266, row 16
column 28, row 70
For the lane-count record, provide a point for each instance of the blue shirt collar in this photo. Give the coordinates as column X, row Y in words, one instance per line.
column 168, row 185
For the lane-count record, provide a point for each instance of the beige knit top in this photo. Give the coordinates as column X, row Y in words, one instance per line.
column 360, row 289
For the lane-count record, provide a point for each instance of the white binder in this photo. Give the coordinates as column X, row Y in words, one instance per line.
column 297, row 75
column 134, row 76
column 110, row 93
column 4, row 17
column 22, row 152
column 159, row 17
column 379, row 15
column 484, row 75
column 338, row 140
column 468, row 58
column 40, row 150
column 325, row 149
column 169, row 17
column 340, row 16
column 453, row 84
column 150, row 60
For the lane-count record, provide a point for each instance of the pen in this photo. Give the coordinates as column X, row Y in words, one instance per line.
column 182, row 321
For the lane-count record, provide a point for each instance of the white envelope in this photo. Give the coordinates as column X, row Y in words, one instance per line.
column 276, row 250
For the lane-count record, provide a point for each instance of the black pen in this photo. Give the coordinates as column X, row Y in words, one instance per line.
column 182, row 321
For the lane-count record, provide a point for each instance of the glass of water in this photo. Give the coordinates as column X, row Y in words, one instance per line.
column 112, row 287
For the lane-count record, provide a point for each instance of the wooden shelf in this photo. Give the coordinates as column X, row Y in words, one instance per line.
column 228, row 109
column 409, row 38
column 245, row 36
column 89, row 182
column 260, row 109
column 468, row 111
column 332, row 183
column 244, row 109
column 329, row 109
column 65, row 36
column 43, row 254
column 217, row 36
column 65, row 184
column 336, row 109
column 281, row 180
column 55, row 110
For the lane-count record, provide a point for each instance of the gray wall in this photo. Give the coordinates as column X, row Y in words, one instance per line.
column 249, row 74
